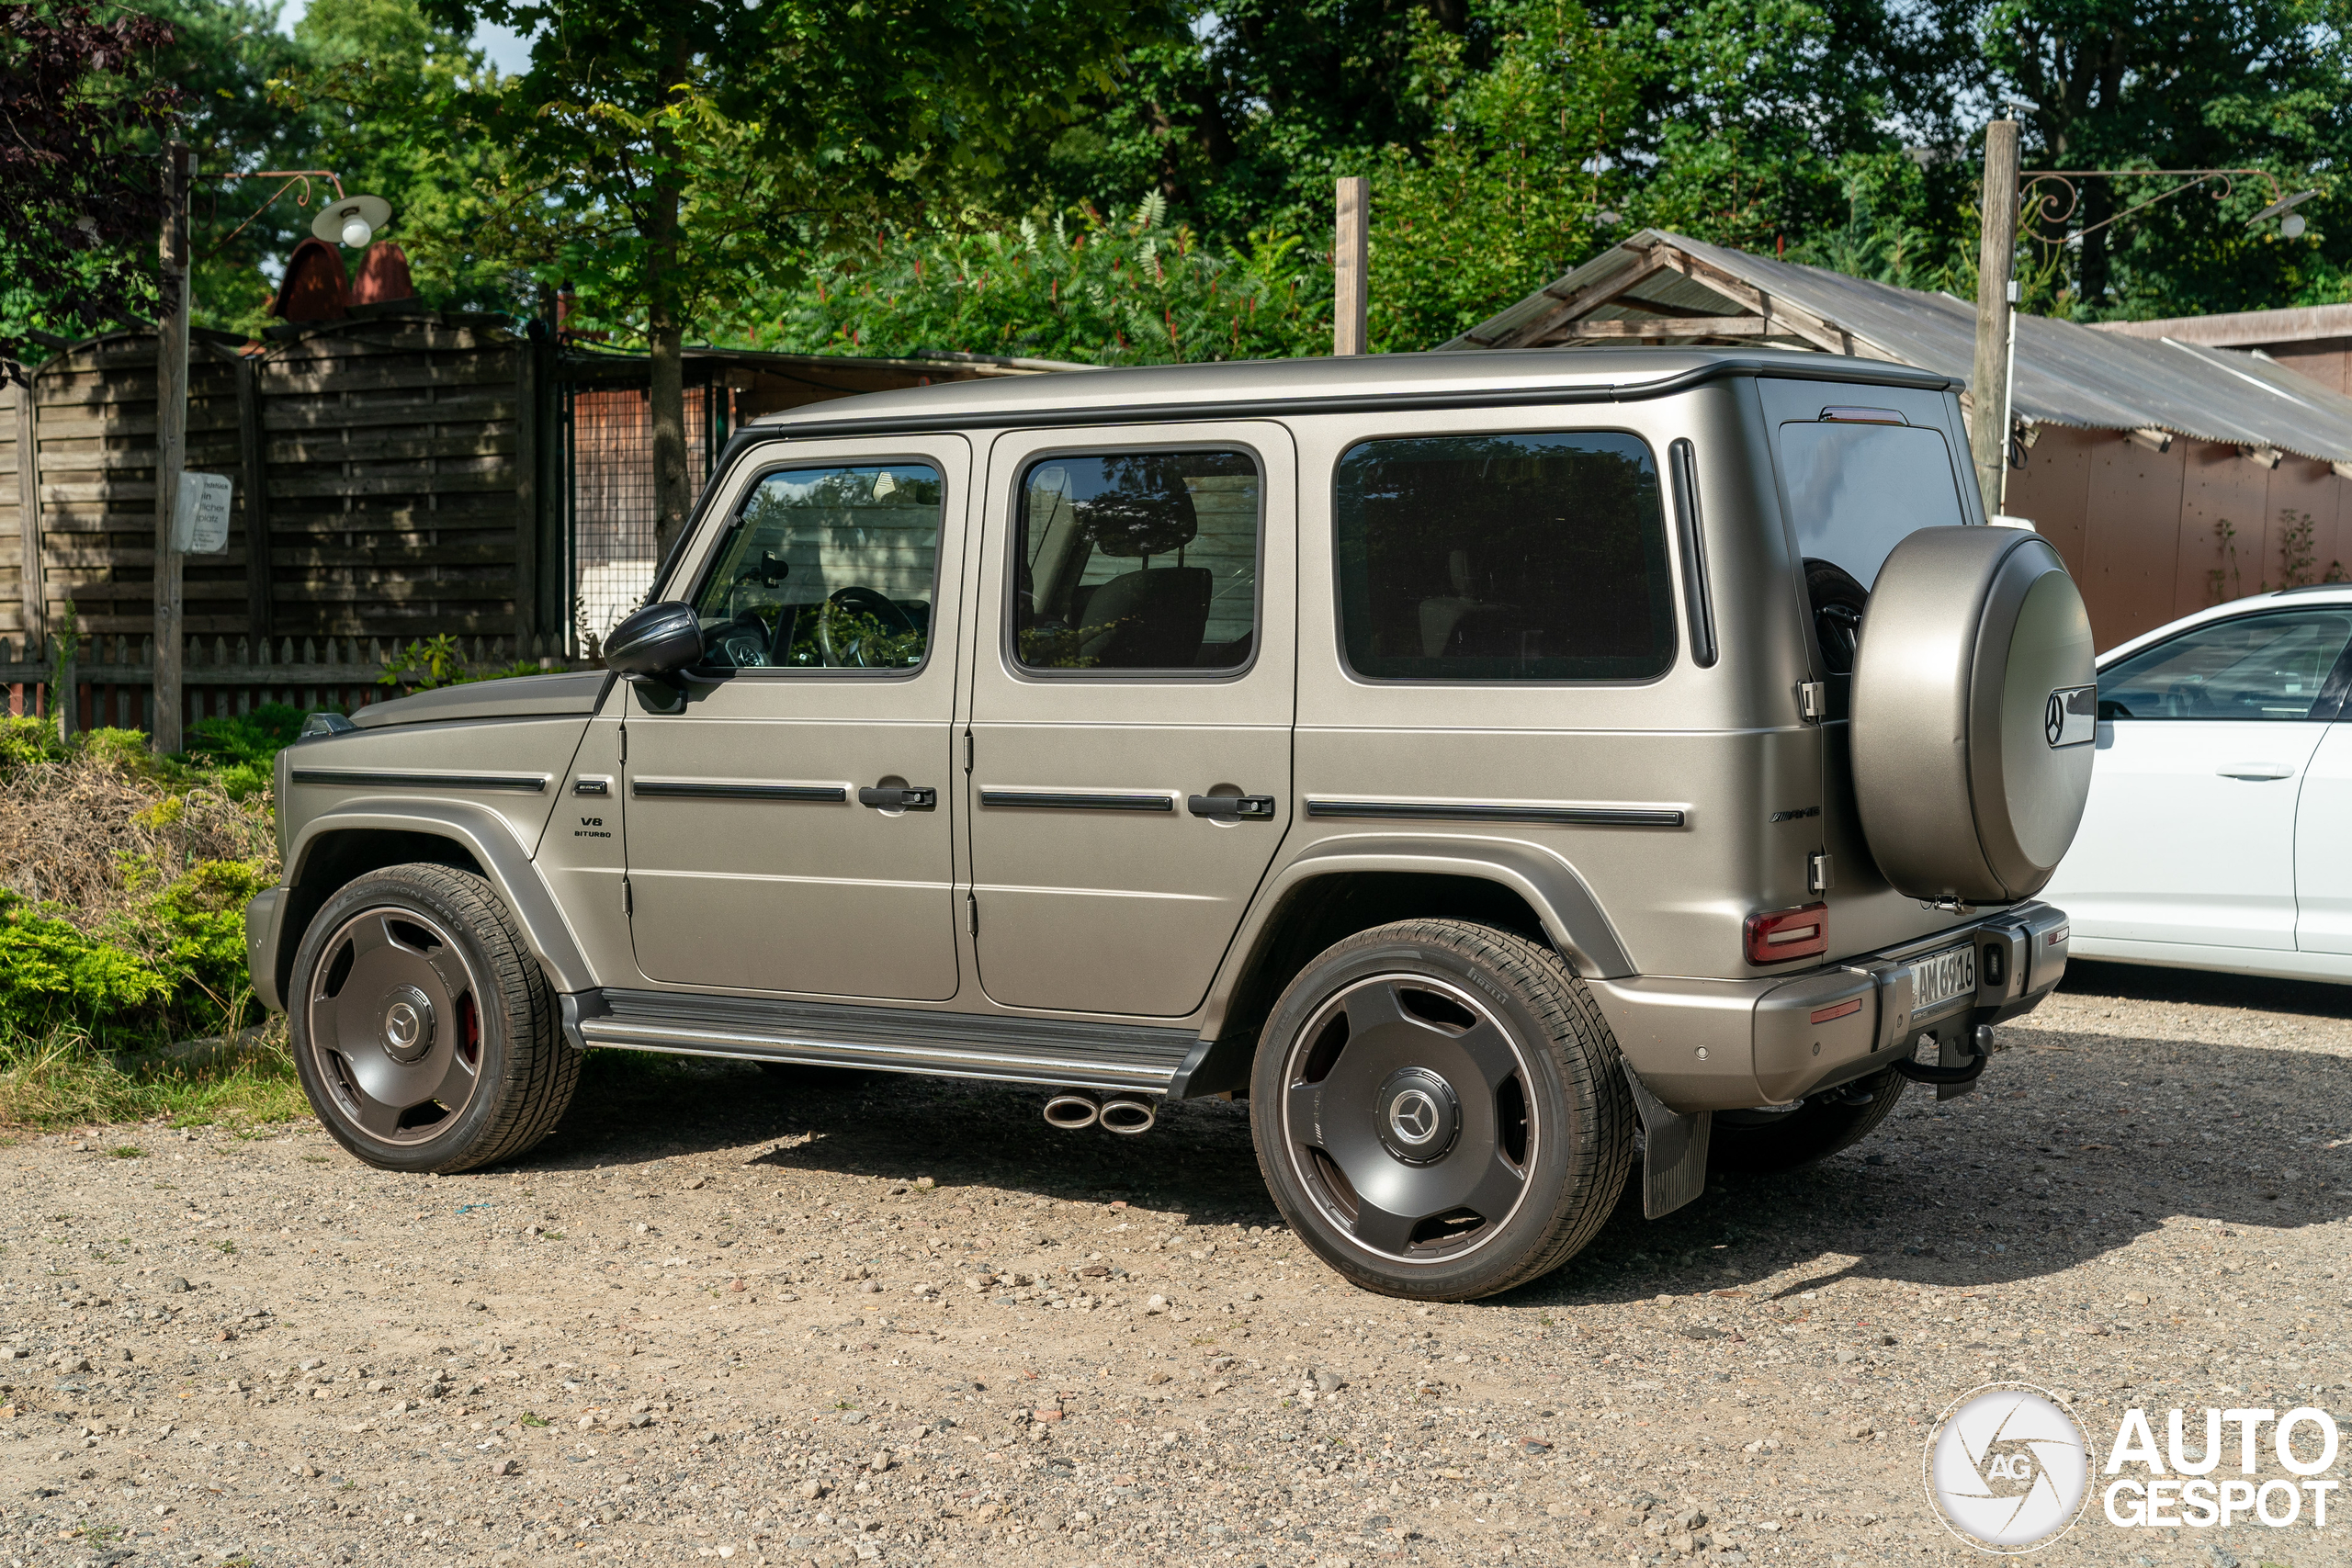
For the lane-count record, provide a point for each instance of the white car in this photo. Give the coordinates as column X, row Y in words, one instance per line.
column 2218, row 832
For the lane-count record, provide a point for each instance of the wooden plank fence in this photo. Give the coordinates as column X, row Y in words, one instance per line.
column 113, row 677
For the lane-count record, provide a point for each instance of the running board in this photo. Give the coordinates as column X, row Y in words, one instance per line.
column 1057, row 1052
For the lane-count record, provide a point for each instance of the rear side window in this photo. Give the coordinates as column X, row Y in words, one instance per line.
column 1857, row 490
column 1503, row 557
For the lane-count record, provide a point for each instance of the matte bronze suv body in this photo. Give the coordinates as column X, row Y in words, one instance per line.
column 1478, row 717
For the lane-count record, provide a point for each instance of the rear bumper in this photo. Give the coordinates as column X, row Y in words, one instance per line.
column 1730, row 1045
column 261, row 945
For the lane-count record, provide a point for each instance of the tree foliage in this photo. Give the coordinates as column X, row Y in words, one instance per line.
column 77, row 251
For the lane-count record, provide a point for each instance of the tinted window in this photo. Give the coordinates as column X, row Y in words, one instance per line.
column 829, row 569
column 1855, row 489
column 2252, row 667
column 1502, row 558
column 1137, row 561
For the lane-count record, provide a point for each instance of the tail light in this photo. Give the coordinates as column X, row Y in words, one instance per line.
column 1786, row 934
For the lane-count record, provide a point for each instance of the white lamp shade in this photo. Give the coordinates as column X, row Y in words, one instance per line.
column 335, row 223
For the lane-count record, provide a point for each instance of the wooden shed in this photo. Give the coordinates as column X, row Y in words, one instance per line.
column 2171, row 473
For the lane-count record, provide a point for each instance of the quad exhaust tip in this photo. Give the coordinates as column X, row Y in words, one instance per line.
column 1072, row 1110
column 1130, row 1116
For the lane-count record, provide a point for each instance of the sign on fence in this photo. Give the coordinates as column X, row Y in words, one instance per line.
column 201, row 521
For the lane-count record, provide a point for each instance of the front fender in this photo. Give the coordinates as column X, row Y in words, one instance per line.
column 479, row 831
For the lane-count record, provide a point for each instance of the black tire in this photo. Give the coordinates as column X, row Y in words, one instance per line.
column 1494, row 1045
column 1761, row 1142
column 413, row 989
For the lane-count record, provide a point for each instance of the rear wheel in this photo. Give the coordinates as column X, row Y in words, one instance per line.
column 1758, row 1143
column 1439, row 1110
column 423, row 1028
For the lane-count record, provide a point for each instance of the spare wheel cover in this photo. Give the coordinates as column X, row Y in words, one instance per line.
column 1974, row 707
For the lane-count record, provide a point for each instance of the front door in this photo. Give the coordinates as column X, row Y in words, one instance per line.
column 2204, row 741
column 1131, row 709
column 787, row 825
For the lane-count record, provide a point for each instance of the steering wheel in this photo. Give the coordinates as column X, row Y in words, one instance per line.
column 742, row 643
column 846, row 643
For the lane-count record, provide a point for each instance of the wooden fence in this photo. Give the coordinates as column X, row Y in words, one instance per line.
column 113, row 678
column 386, row 483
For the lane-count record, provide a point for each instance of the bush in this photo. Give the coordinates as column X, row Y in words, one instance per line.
column 53, row 975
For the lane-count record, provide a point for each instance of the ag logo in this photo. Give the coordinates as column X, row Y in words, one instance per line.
column 2007, row 1468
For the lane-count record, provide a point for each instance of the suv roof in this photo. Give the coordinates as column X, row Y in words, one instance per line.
column 1484, row 376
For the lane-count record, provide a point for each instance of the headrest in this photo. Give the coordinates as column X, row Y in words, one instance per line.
column 1144, row 510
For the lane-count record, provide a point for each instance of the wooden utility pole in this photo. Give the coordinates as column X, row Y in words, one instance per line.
column 171, row 444
column 1988, row 433
column 1348, row 256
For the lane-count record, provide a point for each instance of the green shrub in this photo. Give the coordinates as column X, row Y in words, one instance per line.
column 53, row 975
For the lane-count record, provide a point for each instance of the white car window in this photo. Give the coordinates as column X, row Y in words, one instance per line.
column 2259, row 667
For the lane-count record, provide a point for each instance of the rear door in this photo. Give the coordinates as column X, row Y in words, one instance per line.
column 1131, row 706
column 2205, row 740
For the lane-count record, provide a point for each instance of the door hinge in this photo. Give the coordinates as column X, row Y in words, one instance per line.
column 624, row 742
column 972, row 902
column 628, row 897
column 1813, row 701
column 1820, row 873
column 967, row 751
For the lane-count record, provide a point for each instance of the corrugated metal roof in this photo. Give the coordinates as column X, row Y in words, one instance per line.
column 2067, row 374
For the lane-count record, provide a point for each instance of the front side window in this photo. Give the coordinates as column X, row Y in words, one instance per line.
column 827, row 568
column 2272, row 667
column 1137, row 561
column 1503, row 557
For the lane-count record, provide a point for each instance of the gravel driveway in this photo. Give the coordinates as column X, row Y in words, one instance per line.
column 725, row 1315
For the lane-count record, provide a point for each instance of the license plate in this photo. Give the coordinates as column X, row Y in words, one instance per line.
column 1943, row 978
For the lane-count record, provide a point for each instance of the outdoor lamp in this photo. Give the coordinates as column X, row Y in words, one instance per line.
column 352, row 219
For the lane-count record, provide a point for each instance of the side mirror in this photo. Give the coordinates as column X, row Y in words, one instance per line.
column 655, row 644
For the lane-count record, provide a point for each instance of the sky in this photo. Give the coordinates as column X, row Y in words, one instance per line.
column 509, row 52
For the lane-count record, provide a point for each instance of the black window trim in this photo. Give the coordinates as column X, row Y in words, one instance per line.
column 1016, row 524
column 1339, row 603
column 715, row 674
column 2327, row 705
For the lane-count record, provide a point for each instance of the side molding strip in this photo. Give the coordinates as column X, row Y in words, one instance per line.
column 400, row 778
column 1076, row 800
column 1056, row 1052
column 704, row 789
column 1481, row 811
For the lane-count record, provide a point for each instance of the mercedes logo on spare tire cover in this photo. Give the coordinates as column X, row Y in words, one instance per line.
column 1973, row 701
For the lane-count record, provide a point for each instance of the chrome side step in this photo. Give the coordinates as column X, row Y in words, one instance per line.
column 1056, row 1052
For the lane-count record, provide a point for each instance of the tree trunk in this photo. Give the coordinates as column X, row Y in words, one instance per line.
column 674, row 490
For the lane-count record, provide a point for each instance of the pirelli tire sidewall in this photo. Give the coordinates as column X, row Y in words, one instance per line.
column 1973, row 734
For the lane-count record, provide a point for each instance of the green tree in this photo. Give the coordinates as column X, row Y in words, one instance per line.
column 2183, row 84
column 659, row 153
column 1077, row 287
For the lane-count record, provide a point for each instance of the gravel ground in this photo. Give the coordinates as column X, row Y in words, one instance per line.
column 834, row 1319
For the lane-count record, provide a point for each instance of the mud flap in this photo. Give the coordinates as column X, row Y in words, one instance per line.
column 1674, row 1151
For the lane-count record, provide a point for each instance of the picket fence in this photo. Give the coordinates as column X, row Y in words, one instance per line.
column 113, row 678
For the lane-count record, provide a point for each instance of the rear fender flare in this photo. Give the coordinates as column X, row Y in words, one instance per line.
column 483, row 834
column 1571, row 915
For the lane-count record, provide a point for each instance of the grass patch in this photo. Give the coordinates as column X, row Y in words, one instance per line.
column 128, row 1151
column 59, row 1081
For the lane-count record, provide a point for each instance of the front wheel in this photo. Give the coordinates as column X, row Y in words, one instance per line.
column 422, row 1027
column 1439, row 1110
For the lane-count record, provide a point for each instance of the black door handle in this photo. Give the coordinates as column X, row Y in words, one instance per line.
column 1255, row 807
column 899, row 797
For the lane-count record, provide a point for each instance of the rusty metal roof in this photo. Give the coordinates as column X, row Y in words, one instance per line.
column 2067, row 374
